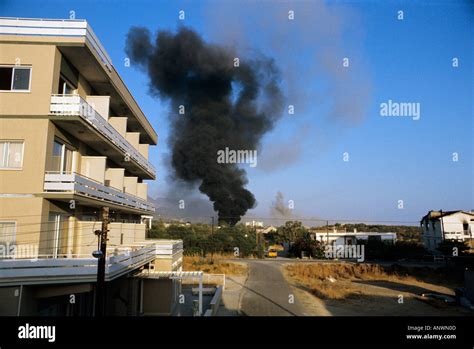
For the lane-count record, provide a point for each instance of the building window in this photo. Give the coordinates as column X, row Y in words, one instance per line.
column 11, row 154
column 15, row 78
column 65, row 87
column 62, row 158
column 7, row 232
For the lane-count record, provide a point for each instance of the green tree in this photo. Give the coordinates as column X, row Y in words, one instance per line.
column 290, row 232
column 311, row 248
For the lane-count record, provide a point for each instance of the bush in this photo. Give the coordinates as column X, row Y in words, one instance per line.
column 198, row 239
column 377, row 249
column 448, row 247
column 311, row 248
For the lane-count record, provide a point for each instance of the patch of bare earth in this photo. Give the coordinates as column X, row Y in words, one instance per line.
column 369, row 289
column 218, row 264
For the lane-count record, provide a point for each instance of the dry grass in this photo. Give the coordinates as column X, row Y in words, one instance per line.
column 333, row 281
column 217, row 265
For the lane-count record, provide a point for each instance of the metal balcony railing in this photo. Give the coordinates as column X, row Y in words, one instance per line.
column 79, row 268
column 78, row 184
column 75, row 105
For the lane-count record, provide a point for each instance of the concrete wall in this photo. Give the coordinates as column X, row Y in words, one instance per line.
column 128, row 231
column 133, row 138
column 37, row 135
column 85, row 241
column 45, row 61
column 83, row 88
column 120, row 124
column 140, row 232
column 143, row 149
column 142, row 190
column 101, row 104
column 159, row 296
column 94, row 167
column 29, row 227
column 115, row 177
column 130, row 184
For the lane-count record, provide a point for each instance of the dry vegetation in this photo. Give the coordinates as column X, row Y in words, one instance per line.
column 218, row 264
column 339, row 281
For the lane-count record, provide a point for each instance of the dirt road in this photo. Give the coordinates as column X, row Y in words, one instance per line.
column 267, row 293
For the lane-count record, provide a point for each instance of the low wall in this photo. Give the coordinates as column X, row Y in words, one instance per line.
column 216, row 301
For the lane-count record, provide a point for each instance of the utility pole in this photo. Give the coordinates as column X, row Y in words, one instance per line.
column 327, row 232
column 441, row 225
column 100, row 287
column 257, row 240
column 212, row 225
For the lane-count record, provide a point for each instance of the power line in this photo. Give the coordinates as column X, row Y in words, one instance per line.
column 21, row 233
column 65, row 221
column 96, row 212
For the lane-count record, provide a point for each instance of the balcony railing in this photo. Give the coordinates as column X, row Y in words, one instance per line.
column 77, row 184
column 42, row 269
column 76, row 269
column 75, row 105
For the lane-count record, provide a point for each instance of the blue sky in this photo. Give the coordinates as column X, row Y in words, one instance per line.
column 390, row 158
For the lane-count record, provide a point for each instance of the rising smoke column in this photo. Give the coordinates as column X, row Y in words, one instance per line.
column 225, row 106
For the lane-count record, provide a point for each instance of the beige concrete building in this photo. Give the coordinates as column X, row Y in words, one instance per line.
column 72, row 140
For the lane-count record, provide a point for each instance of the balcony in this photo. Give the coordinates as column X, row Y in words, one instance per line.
column 76, row 184
column 45, row 269
column 75, row 106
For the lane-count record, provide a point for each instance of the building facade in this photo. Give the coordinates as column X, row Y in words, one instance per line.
column 72, row 141
column 337, row 238
column 447, row 225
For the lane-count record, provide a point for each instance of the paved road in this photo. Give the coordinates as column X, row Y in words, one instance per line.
column 266, row 292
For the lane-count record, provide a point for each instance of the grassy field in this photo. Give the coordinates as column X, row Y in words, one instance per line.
column 218, row 264
column 346, row 289
column 344, row 280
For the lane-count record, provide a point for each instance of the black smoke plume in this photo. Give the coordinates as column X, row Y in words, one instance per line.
column 225, row 106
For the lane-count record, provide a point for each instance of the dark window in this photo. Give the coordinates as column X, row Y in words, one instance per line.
column 6, row 78
column 15, row 78
column 21, row 79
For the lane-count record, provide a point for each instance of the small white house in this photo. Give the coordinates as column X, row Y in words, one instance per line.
column 254, row 224
column 446, row 225
column 337, row 238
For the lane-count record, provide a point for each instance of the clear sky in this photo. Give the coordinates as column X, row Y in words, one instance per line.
column 337, row 108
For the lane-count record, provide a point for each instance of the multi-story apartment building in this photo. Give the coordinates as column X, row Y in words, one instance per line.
column 72, row 141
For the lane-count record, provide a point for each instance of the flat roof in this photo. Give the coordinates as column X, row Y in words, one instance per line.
column 71, row 36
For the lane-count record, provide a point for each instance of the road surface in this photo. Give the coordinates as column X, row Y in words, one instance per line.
column 266, row 292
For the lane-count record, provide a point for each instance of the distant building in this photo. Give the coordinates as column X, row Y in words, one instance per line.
column 335, row 237
column 270, row 229
column 254, row 224
column 446, row 225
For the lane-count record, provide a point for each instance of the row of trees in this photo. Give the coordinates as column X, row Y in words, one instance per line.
column 242, row 241
column 202, row 239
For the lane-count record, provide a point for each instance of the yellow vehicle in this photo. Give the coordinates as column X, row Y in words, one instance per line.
column 272, row 253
